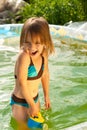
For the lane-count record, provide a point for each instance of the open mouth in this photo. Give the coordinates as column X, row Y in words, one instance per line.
column 33, row 53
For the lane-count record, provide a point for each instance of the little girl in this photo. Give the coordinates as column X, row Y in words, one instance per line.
column 31, row 69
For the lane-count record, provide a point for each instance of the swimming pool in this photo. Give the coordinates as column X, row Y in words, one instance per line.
column 68, row 77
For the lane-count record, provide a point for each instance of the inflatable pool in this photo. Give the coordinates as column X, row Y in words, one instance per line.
column 68, row 76
column 76, row 31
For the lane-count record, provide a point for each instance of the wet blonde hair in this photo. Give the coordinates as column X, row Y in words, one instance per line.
column 37, row 26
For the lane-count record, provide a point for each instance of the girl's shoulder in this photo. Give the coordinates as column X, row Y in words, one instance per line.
column 23, row 57
column 45, row 53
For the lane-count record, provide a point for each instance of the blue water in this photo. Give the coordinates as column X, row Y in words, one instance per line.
column 68, row 81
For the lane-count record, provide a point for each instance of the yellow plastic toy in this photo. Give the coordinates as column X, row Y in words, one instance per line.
column 36, row 122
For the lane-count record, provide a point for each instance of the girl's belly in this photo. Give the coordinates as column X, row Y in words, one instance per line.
column 32, row 88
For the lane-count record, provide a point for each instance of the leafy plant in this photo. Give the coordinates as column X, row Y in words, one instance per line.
column 56, row 11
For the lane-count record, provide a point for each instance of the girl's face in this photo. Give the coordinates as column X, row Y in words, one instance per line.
column 34, row 46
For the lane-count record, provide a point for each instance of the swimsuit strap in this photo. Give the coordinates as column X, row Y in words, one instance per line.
column 40, row 71
column 31, row 62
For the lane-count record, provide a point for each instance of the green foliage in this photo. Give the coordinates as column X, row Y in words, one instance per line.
column 56, row 11
column 84, row 4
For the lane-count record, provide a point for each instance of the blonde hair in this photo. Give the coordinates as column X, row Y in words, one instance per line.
column 37, row 26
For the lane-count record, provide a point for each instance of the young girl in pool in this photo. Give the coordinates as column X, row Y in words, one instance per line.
column 31, row 69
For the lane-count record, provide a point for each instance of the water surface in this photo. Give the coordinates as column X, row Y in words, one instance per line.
column 68, row 84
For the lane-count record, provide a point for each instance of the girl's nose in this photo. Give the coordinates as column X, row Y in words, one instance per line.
column 33, row 46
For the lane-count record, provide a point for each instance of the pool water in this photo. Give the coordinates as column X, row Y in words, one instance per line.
column 68, row 83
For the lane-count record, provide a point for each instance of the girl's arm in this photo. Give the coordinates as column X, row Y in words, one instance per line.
column 22, row 67
column 45, row 81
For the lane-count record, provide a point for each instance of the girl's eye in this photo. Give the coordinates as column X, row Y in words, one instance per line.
column 37, row 43
column 29, row 44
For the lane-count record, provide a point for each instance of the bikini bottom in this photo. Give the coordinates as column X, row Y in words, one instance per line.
column 21, row 101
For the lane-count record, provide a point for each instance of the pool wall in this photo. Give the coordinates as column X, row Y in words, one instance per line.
column 78, row 33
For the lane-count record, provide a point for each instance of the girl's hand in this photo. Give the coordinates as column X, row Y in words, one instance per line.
column 47, row 103
column 33, row 111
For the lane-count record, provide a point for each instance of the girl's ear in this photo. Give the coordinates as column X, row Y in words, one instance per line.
column 44, row 46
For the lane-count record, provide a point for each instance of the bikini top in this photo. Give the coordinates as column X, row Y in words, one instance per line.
column 32, row 73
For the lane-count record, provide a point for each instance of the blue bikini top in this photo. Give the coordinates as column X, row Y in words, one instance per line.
column 32, row 73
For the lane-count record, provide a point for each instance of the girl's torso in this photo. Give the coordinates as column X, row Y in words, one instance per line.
column 34, row 73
